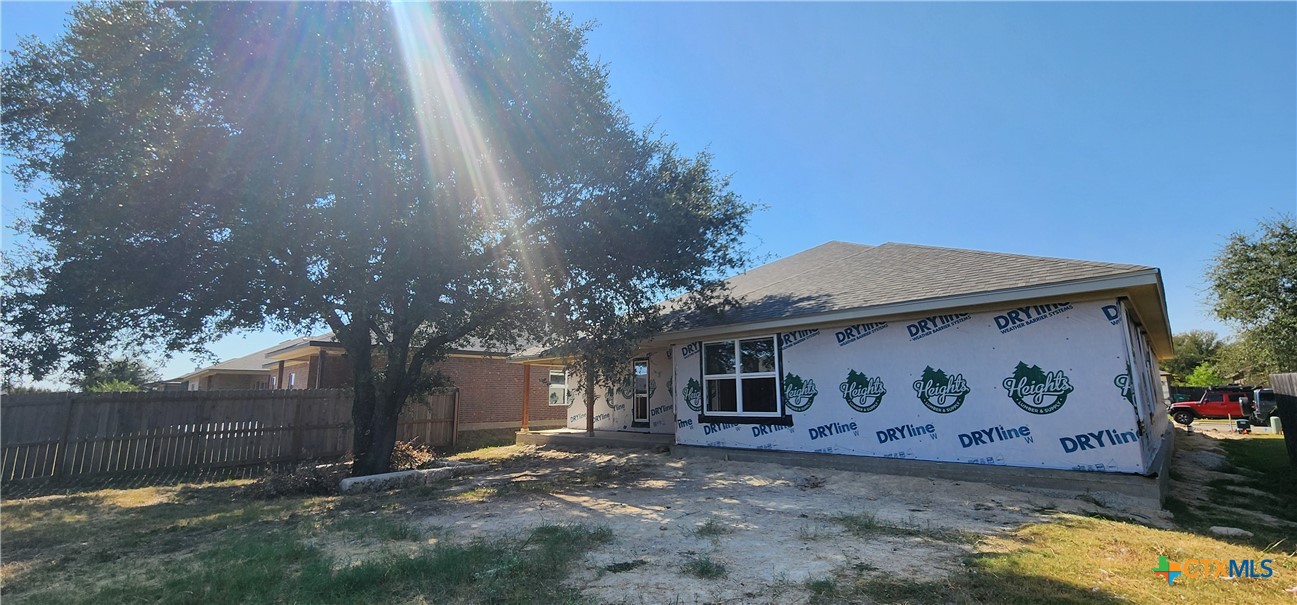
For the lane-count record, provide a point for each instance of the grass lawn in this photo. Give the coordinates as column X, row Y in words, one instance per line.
column 193, row 544
column 1074, row 559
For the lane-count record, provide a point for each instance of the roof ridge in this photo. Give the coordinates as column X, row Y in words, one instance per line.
column 1016, row 255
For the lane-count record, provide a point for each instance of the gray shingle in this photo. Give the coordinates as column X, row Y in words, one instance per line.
column 839, row 276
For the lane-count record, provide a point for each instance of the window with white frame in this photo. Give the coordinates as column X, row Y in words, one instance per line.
column 741, row 377
column 640, row 399
column 558, row 391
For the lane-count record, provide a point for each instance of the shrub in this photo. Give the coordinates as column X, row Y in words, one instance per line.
column 112, row 386
column 305, row 479
column 409, row 455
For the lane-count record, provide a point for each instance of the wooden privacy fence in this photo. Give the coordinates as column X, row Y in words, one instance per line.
column 69, row 434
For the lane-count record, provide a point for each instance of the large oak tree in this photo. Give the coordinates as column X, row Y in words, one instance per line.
column 412, row 176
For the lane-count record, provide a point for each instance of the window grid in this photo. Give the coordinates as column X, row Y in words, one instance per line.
column 738, row 376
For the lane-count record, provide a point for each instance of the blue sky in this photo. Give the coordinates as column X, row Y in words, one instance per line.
column 1136, row 133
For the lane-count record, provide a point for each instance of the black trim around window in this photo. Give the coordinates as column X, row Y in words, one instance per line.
column 766, row 420
column 783, row 419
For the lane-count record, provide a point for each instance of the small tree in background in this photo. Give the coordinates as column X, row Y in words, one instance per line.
column 1254, row 286
column 118, row 374
column 112, row 386
column 1192, row 349
column 1204, row 375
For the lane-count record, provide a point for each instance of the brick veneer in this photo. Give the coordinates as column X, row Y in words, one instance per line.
column 490, row 389
column 490, row 393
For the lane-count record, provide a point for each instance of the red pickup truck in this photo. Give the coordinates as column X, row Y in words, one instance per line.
column 1215, row 403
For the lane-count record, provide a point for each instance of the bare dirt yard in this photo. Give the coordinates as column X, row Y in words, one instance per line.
column 771, row 528
column 630, row 526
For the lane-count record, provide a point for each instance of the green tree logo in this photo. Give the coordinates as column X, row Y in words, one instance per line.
column 940, row 392
column 863, row 393
column 1037, row 391
column 1127, row 385
column 693, row 394
column 799, row 394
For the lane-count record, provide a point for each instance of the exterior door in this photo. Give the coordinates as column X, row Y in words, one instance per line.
column 640, row 398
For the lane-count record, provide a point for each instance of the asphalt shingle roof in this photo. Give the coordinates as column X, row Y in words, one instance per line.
column 839, row 276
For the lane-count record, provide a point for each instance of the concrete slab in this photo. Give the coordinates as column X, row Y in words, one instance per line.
column 1138, row 486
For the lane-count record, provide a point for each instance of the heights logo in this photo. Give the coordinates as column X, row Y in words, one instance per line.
column 1213, row 568
column 799, row 394
column 693, row 395
column 863, row 393
column 940, row 392
column 1037, row 391
column 1127, row 386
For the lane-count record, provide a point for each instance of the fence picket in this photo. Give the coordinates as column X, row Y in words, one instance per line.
column 68, row 435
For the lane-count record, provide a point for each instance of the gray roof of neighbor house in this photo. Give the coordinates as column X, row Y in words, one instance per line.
column 842, row 279
column 258, row 362
column 248, row 364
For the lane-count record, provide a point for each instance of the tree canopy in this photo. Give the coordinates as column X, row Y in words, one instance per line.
column 119, row 375
column 1192, row 349
column 1254, row 286
column 412, row 176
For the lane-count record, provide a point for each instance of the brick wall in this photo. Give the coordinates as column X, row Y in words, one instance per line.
column 490, row 393
column 490, row 389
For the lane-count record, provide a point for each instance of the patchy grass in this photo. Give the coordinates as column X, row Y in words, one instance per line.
column 822, row 590
column 868, row 524
column 208, row 544
column 1261, row 482
column 1073, row 559
column 279, row 566
column 498, row 453
column 1100, row 559
column 705, row 568
column 713, row 529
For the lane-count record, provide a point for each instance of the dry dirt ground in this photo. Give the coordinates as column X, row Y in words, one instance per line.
column 771, row 527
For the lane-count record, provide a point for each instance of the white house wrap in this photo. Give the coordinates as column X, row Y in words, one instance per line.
column 1042, row 386
column 901, row 351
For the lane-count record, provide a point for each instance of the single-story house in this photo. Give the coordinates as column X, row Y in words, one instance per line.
column 489, row 386
column 902, row 351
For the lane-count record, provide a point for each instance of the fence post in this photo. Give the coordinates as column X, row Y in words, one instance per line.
column 454, row 427
column 60, row 461
column 297, row 430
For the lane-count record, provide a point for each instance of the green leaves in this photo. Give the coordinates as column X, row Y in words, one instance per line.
column 1254, row 286
column 417, row 177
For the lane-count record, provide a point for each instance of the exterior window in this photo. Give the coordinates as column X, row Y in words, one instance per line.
column 640, row 400
column 741, row 378
column 292, row 380
column 558, row 393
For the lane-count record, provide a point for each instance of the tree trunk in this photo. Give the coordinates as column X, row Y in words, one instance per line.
column 364, row 404
column 381, row 437
column 589, row 405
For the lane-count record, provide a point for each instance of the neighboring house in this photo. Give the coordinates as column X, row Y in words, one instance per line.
column 238, row 373
column 489, row 386
column 916, row 352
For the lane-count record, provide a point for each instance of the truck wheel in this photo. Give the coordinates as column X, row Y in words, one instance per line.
column 1183, row 417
